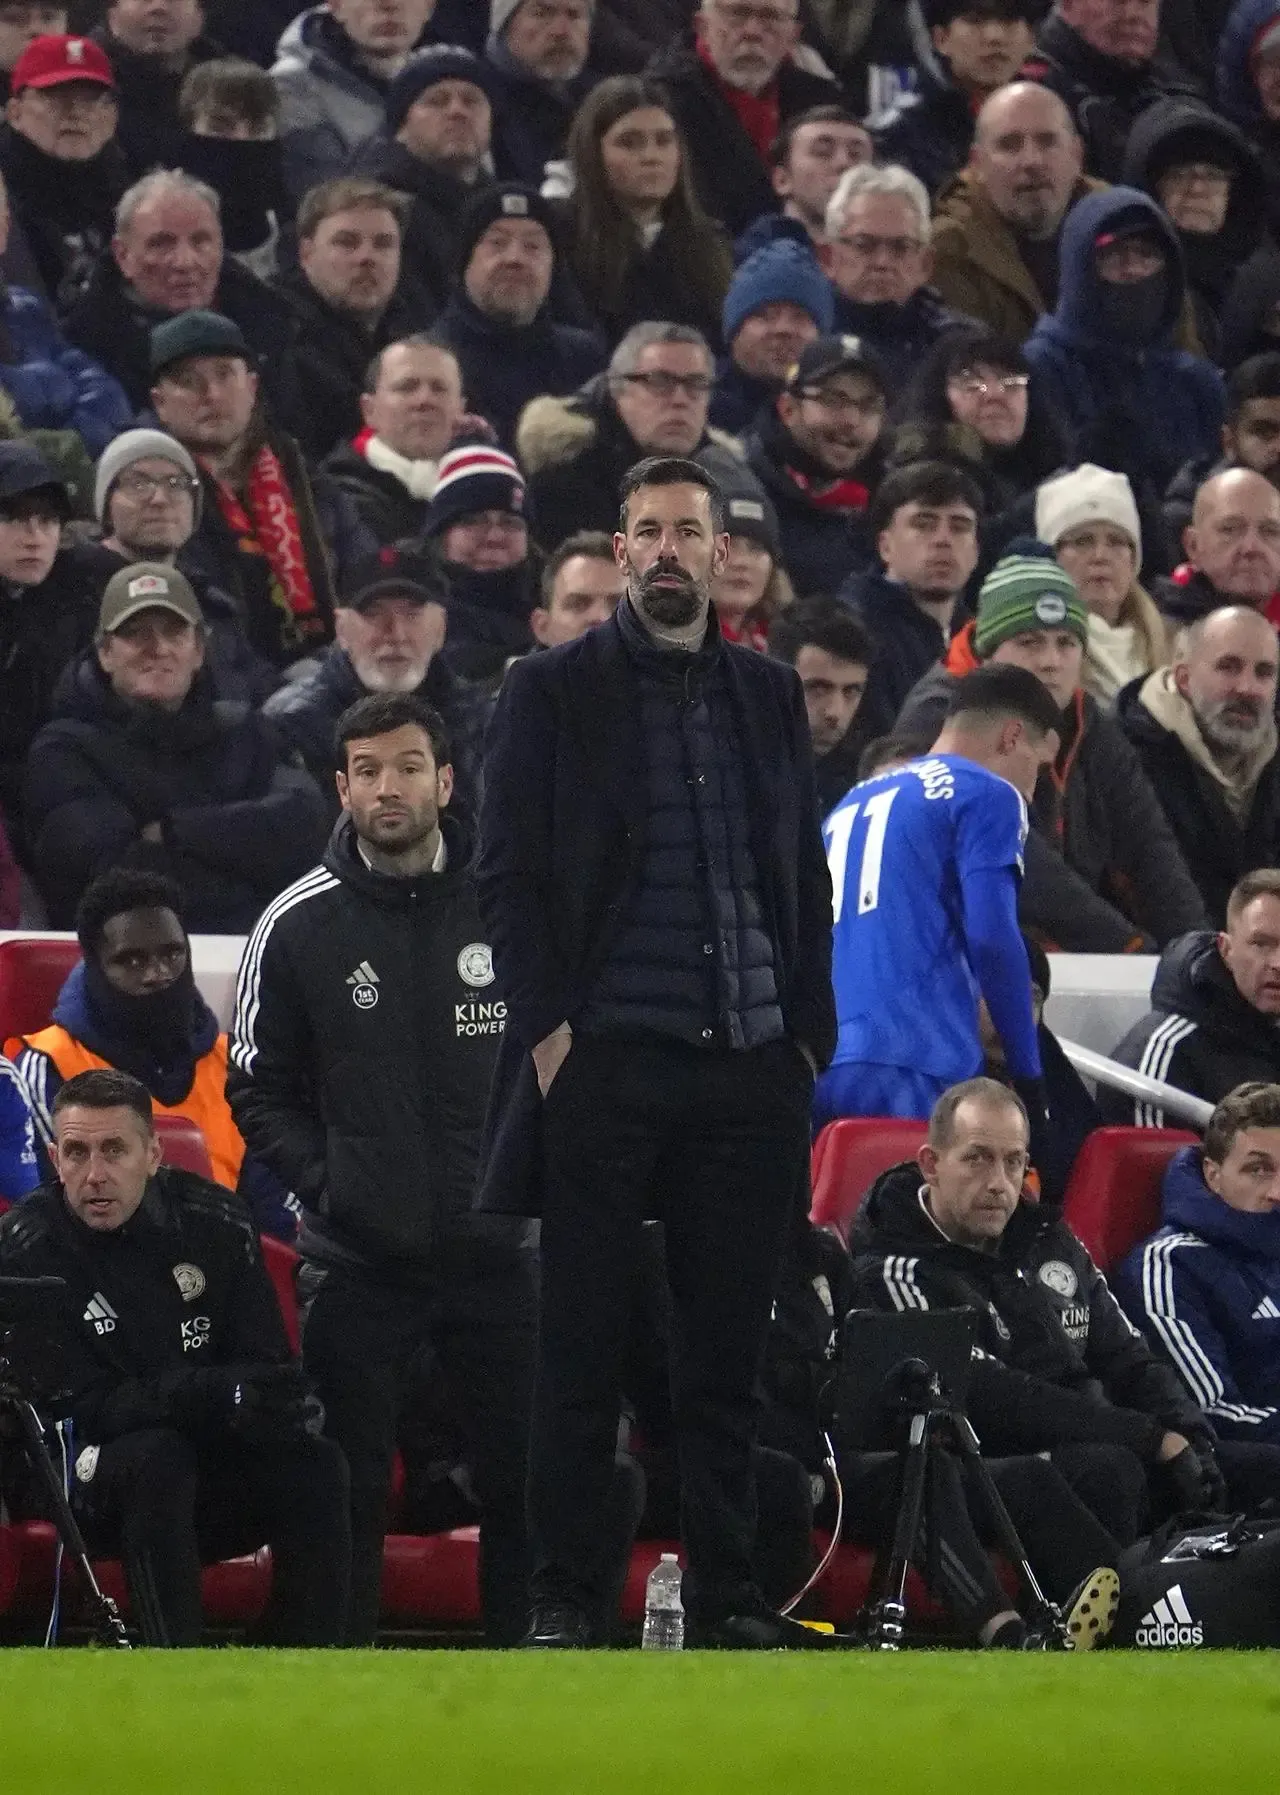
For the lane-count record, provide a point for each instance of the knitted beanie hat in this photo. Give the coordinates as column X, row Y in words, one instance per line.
column 1087, row 495
column 442, row 62
column 139, row 445
column 474, row 477
column 783, row 270
column 504, row 199
column 501, row 13
column 1026, row 590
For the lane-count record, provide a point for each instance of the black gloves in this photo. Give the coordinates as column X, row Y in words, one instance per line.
column 1195, row 1481
column 255, row 1401
column 1215, row 1484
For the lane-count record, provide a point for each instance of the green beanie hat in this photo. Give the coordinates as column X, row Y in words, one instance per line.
column 1027, row 590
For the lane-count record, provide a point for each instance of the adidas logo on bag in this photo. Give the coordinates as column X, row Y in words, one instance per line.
column 1169, row 1623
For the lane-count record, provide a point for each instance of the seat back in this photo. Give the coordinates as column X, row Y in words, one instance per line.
column 183, row 1145
column 32, row 972
column 1113, row 1195
column 849, row 1155
column 281, row 1262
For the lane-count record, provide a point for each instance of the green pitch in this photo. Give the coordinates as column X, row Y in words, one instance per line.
column 217, row 1723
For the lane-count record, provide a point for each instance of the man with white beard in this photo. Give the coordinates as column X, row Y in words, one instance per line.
column 390, row 624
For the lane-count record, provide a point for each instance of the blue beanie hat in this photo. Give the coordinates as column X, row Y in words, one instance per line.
column 783, row 270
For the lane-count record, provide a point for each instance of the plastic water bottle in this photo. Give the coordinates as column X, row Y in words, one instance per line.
column 663, row 1609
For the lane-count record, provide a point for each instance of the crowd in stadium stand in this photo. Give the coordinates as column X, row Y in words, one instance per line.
column 328, row 336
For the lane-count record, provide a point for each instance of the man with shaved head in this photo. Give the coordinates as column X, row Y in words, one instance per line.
column 995, row 234
column 1205, row 731
column 1232, row 547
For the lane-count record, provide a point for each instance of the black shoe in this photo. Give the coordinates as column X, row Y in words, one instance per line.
column 557, row 1626
column 756, row 1629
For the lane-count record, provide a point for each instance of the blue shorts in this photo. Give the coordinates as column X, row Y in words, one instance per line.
column 863, row 1088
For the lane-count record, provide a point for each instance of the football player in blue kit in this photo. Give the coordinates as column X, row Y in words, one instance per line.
column 925, row 863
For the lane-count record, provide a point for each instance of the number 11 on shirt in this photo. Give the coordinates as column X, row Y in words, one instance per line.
column 875, row 816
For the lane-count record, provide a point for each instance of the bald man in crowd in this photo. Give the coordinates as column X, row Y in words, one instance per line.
column 1205, row 731
column 1232, row 545
column 997, row 222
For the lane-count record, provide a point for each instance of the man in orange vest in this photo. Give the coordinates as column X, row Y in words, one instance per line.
column 132, row 1005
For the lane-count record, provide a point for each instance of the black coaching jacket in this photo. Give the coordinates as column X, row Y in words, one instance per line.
column 150, row 1306
column 365, row 1033
column 1060, row 1361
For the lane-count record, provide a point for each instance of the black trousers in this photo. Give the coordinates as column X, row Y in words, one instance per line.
column 360, row 1338
column 1061, row 1536
column 164, row 1507
column 714, row 1145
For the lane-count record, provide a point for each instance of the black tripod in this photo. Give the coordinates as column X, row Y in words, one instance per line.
column 915, row 1389
column 19, row 1419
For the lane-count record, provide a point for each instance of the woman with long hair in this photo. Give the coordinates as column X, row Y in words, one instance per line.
column 640, row 244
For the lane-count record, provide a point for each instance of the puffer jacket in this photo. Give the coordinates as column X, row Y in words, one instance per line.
column 1199, row 1034
column 52, row 385
column 1058, row 1360
column 1139, row 410
column 1206, row 1292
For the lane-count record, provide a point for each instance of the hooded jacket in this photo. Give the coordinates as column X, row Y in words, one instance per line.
column 1140, row 410
column 330, row 103
column 1224, row 833
column 1212, row 260
column 366, row 1029
column 1113, row 873
column 1199, row 1034
column 574, row 452
column 504, row 366
column 1206, row 1292
column 1104, row 95
column 1058, row 1361
column 821, row 544
column 237, row 821
column 1236, row 93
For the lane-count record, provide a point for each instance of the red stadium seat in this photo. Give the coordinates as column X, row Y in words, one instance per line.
column 282, row 1262
column 32, row 971
column 1113, row 1196
column 234, row 1593
column 849, row 1156
column 431, row 1578
column 182, row 1144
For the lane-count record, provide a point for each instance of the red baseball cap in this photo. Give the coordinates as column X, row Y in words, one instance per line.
column 50, row 61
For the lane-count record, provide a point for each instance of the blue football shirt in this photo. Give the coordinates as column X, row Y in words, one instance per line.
column 900, row 847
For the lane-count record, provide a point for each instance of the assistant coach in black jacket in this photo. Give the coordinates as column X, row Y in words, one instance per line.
column 653, row 884
column 191, row 1425
column 362, row 1049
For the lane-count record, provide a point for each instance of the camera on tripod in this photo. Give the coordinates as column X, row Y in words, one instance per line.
column 32, row 1371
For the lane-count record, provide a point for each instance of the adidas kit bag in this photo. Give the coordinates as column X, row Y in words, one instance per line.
column 1216, row 1583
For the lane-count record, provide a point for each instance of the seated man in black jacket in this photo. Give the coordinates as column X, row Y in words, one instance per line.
column 143, row 768
column 1061, row 1370
column 1215, row 1001
column 192, row 1422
